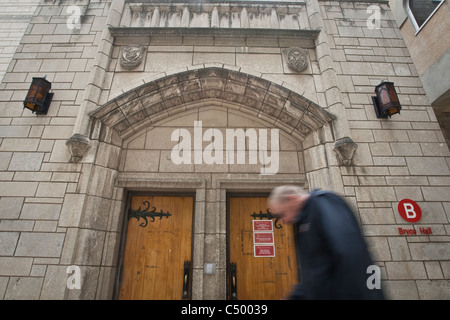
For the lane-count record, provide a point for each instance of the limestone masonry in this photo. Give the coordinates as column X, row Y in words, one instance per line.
column 127, row 74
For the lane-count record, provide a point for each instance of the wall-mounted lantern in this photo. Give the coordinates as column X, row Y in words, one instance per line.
column 386, row 102
column 38, row 97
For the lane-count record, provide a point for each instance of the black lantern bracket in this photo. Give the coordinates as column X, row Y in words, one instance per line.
column 38, row 97
column 47, row 101
column 380, row 115
column 386, row 102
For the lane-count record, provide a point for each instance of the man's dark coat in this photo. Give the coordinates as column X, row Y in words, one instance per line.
column 333, row 254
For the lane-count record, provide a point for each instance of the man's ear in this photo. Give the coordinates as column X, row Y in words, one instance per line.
column 290, row 197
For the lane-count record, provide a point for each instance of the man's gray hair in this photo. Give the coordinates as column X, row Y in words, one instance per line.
column 279, row 194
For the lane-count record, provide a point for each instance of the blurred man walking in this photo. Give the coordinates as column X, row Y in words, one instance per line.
column 333, row 254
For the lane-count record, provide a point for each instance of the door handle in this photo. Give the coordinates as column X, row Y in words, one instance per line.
column 233, row 281
column 186, row 278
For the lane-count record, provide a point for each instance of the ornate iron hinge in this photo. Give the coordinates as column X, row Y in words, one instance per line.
column 144, row 214
column 261, row 215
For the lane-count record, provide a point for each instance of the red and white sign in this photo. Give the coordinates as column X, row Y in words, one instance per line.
column 264, row 250
column 263, row 238
column 409, row 210
column 262, row 225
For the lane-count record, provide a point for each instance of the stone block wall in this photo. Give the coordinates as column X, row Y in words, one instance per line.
column 14, row 19
column 405, row 156
column 39, row 188
column 56, row 213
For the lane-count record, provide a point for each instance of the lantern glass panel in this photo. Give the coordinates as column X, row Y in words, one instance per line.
column 384, row 96
column 393, row 94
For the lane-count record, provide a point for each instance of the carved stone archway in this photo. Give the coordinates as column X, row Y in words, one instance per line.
column 161, row 98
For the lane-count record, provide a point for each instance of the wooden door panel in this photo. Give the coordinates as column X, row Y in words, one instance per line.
column 265, row 278
column 157, row 244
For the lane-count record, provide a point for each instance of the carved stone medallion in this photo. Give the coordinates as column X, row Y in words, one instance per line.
column 296, row 58
column 132, row 56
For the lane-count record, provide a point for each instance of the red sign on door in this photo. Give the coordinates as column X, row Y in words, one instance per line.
column 263, row 237
column 262, row 225
column 264, row 250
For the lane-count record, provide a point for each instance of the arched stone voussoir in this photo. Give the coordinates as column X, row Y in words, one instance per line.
column 174, row 93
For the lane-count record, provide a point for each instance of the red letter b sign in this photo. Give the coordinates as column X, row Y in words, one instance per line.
column 409, row 210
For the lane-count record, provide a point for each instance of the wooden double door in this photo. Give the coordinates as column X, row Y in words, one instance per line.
column 157, row 253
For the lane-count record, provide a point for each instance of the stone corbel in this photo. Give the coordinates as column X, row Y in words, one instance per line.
column 78, row 145
column 345, row 148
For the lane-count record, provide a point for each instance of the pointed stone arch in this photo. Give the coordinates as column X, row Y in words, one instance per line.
column 156, row 100
column 108, row 179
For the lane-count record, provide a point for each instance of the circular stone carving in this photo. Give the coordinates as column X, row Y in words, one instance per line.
column 296, row 58
column 132, row 56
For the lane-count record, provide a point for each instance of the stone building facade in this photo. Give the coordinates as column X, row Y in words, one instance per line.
column 14, row 19
column 429, row 46
column 131, row 78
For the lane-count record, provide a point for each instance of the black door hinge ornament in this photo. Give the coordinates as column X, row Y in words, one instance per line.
column 261, row 215
column 144, row 214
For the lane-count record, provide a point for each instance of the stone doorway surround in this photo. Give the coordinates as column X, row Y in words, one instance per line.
column 210, row 216
column 117, row 130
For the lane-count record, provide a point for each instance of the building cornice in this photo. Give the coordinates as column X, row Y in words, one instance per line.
column 244, row 2
column 225, row 32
